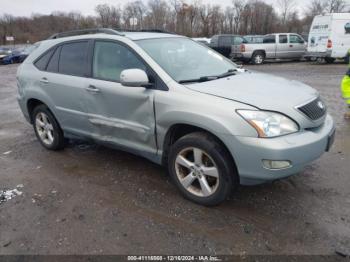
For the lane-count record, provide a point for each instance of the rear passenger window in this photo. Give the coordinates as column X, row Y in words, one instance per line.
column 270, row 39
column 42, row 62
column 53, row 64
column 238, row 40
column 110, row 59
column 73, row 58
column 283, row 39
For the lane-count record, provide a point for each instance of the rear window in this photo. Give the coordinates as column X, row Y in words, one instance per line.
column 225, row 41
column 73, row 58
column 41, row 63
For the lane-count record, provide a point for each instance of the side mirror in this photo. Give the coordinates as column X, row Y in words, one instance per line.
column 134, row 78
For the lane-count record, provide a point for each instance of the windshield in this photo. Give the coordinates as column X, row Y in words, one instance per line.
column 184, row 59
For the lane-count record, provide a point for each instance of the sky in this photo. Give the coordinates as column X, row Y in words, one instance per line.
column 86, row 7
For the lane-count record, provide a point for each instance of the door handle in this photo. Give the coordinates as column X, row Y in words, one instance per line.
column 290, row 45
column 93, row 89
column 44, row 80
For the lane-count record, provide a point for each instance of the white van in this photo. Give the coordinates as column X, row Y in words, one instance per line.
column 329, row 37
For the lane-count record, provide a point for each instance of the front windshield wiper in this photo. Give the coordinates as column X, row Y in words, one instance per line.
column 230, row 72
column 198, row 80
column 209, row 78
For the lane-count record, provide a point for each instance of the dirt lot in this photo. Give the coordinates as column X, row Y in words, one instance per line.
column 89, row 199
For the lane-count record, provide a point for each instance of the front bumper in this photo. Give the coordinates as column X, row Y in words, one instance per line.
column 318, row 54
column 300, row 149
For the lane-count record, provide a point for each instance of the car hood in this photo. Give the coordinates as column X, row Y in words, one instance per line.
column 263, row 91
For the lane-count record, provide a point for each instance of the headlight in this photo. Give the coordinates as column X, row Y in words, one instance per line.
column 269, row 124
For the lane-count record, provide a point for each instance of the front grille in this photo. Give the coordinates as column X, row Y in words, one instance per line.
column 314, row 110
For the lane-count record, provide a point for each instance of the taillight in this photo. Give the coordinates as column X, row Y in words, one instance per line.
column 242, row 48
column 329, row 44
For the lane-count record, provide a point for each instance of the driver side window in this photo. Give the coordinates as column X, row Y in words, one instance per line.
column 111, row 58
column 295, row 39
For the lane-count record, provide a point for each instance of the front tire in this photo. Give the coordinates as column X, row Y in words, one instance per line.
column 202, row 169
column 47, row 129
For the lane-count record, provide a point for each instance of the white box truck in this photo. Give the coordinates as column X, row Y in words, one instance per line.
column 329, row 37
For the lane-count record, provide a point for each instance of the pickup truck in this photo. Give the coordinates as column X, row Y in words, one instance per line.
column 274, row 46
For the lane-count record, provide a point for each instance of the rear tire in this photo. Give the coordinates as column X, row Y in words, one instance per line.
column 202, row 169
column 329, row 60
column 258, row 58
column 47, row 129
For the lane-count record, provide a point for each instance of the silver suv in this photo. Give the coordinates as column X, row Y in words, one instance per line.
column 177, row 103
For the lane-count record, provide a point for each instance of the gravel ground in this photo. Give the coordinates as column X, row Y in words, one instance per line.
column 90, row 199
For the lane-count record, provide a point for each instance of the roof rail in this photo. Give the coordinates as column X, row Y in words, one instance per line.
column 148, row 31
column 108, row 31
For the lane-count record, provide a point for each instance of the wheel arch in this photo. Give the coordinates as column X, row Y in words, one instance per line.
column 179, row 130
column 32, row 103
column 259, row 51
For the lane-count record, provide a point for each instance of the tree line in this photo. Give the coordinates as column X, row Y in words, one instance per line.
column 193, row 19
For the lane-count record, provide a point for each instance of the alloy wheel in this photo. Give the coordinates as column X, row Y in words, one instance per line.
column 197, row 172
column 258, row 59
column 44, row 128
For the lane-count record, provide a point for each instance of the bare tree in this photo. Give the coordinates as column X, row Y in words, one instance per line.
column 286, row 6
column 134, row 10
column 192, row 13
column 205, row 13
column 238, row 8
column 215, row 20
column 157, row 15
column 316, row 7
column 140, row 10
column 177, row 7
column 187, row 17
column 109, row 16
column 6, row 26
column 335, row 6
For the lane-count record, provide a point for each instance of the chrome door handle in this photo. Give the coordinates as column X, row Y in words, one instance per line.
column 93, row 89
column 44, row 80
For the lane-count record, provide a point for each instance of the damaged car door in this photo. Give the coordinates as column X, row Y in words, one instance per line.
column 118, row 114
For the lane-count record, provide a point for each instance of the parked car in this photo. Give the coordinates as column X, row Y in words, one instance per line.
column 202, row 40
column 274, row 46
column 23, row 53
column 329, row 37
column 4, row 53
column 175, row 102
column 254, row 38
column 224, row 44
column 18, row 55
